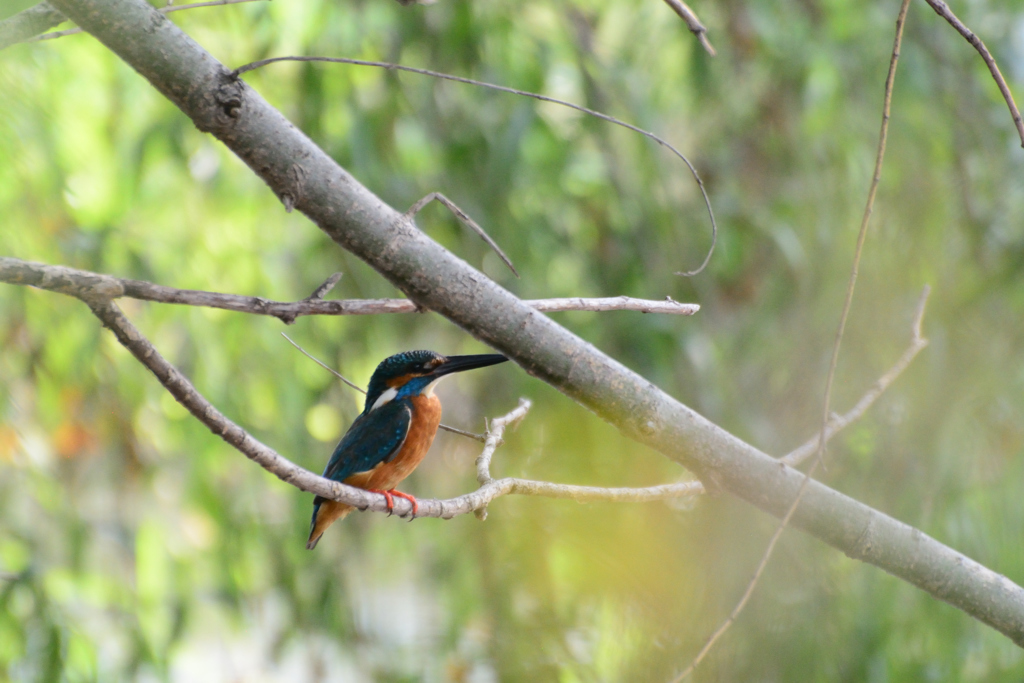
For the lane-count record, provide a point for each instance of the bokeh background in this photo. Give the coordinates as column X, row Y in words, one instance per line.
column 134, row 545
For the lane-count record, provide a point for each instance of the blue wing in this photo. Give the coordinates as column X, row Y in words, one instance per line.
column 373, row 438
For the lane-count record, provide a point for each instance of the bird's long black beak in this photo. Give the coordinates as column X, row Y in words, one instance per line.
column 460, row 363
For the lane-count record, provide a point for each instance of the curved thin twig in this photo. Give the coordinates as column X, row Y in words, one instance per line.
column 523, row 93
column 943, row 10
column 466, row 220
column 99, row 291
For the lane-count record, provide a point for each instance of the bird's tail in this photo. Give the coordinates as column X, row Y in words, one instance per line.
column 325, row 513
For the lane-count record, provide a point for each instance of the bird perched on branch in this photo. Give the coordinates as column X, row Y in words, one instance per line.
column 393, row 433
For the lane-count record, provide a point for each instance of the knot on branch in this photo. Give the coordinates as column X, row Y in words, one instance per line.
column 228, row 95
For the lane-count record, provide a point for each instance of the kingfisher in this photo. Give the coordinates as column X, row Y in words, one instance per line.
column 393, row 433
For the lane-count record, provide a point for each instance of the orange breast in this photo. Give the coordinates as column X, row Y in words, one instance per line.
column 426, row 416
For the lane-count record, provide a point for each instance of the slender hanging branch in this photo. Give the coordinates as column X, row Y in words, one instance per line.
column 522, row 93
column 826, row 412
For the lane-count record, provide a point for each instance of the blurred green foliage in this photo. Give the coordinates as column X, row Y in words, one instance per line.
column 135, row 545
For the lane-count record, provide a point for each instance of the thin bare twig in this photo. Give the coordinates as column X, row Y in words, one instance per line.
column 823, row 435
column 466, row 220
column 73, row 281
column 523, row 93
column 693, row 23
column 943, row 10
column 454, row 430
column 840, row 422
column 166, row 10
column 324, row 365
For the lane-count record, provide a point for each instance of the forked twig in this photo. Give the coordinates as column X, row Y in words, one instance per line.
column 823, row 435
column 523, row 93
column 464, row 217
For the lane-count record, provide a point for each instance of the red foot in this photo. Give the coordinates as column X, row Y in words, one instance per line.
column 411, row 499
column 388, row 497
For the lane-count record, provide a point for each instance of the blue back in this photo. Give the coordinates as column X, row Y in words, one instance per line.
column 373, row 438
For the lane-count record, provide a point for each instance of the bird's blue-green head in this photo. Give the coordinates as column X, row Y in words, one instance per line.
column 414, row 372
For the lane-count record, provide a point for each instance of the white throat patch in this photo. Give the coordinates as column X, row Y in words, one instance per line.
column 384, row 398
column 428, row 390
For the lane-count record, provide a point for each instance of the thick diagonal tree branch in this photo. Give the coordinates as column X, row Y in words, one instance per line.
column 314, row 184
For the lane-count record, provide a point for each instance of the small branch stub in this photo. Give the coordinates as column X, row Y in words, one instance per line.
column 693, row 23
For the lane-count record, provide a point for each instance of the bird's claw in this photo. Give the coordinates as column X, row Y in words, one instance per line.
column 411, row 499
column 388, row 499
